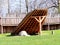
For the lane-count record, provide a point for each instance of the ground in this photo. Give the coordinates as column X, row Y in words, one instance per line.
column 45, row 39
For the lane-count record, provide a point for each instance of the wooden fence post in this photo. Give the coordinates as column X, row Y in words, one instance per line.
column 40, row 25
column 1, row 27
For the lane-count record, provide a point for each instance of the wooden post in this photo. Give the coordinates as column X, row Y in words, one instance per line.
column 40, row 25
column 39, row 20
column 1, row 27
column 48, row 24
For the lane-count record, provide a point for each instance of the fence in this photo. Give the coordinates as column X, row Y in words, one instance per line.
column 14, row 21
column 9, row 21
column 52, row 20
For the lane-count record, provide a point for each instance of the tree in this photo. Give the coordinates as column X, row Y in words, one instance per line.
column 59, row 6
column 26, row 5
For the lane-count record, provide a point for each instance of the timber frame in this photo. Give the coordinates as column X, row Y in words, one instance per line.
column 32, row 23
column 39, row 20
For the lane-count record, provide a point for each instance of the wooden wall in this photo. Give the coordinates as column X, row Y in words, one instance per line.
column 10, row 23
column 0, row 28
column 51, row 27
column 8, row 29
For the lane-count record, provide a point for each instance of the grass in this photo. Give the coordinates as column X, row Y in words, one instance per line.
column 45, row 39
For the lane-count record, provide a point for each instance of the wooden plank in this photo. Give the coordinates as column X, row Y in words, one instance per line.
column 27, row 19
column 1, row 29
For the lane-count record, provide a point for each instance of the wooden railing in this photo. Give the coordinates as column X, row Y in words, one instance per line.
column 10, row 21
column 14, row 21
column 52, row 20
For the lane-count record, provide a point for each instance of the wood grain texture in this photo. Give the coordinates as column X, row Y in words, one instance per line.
column 30, row 25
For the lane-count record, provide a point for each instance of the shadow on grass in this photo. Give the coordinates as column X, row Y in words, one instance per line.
column 11, row 35
column 17, row 35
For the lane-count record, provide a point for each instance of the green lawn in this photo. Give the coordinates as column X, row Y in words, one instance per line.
column 45, row 39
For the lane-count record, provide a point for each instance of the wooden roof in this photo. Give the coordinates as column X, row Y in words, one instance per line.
column 30, row 25
column 37, row 12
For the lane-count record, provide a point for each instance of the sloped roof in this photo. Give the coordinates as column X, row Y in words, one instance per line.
column 30, row 25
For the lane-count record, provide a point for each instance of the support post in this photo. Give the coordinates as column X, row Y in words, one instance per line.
column 39, row 20
column 1, row 29
column 40, row 25
column 48, row 24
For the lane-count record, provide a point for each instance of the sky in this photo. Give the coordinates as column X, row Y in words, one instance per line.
column 14, row 6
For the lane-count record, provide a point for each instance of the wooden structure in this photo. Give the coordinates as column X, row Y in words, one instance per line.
column 32, row 22
column 51, row 23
